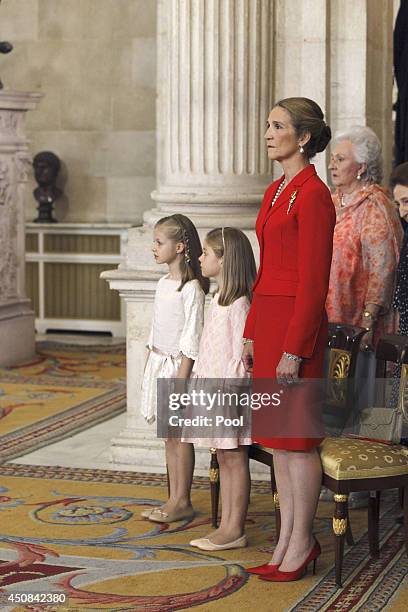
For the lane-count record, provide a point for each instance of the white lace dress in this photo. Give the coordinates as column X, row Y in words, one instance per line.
column 178, row 318
column 220, row 356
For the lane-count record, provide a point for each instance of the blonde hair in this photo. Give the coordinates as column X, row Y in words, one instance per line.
column 181, row 229
column 238, row 266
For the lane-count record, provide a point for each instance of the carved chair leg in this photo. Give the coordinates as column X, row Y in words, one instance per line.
column 339, row 528
column 214, row 474
column 406, row 518
column 373, row 523
column 275, row 497
column 349, row 534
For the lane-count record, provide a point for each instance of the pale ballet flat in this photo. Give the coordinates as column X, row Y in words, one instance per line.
column 160, row 516
column 197, row 541
column 206, row 544
column 147, row 513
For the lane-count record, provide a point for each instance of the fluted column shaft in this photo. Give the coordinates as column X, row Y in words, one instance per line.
column 215, row 90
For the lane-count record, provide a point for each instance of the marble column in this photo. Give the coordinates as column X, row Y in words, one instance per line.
column 302, row 56
column 16, row 314
column 215, row 90
column 361, row 68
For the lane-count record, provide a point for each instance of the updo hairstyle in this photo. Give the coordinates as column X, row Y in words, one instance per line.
column 307, row 116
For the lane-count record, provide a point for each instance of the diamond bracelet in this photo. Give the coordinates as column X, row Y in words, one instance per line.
column 292, row 357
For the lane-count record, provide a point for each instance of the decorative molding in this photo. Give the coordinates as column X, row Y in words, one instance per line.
column 5, row 180
column 339, row 363
column 9, row 122
column 8, row 230
column 214, row 475
column 17, row 331
column 22, row 162
column 340, row 497
column 339, row 526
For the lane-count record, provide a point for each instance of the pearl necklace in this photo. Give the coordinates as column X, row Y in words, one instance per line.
column 278, row 192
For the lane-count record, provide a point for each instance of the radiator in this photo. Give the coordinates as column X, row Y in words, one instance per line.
column 63, row 267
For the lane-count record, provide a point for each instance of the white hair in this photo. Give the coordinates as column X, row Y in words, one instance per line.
column 367, row 150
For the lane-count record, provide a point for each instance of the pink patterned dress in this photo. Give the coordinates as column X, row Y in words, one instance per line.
column 219, row 355
column 366, row 245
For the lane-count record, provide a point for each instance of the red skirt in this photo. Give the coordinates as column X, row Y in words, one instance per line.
column 272, row 316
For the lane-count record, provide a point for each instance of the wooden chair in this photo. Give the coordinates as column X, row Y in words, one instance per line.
column 343, row 345
column 365, row 465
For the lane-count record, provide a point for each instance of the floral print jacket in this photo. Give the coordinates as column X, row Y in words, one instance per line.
column 366, row 245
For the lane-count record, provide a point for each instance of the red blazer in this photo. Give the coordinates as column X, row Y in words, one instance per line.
column 295, row 239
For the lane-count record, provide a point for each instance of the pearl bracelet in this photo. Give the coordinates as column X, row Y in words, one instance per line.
column 247, row 341
column 292, row 357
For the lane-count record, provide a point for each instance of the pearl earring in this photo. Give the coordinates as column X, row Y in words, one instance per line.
column 359, row 177
column 301, row 149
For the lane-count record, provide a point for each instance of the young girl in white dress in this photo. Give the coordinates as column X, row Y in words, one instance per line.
column 173, row 346
column 228, row 258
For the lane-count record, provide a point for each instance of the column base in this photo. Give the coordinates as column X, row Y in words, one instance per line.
column 236, row 207
column 17, row 332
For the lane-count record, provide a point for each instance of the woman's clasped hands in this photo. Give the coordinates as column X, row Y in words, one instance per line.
column 287, row 371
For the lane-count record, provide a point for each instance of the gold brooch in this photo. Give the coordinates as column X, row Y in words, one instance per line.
column 291, row 201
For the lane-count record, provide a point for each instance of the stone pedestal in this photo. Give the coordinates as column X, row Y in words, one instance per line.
column 16, row 314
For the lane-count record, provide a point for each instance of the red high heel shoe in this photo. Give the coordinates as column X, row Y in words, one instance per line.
column 298, row 573
column 263, row 570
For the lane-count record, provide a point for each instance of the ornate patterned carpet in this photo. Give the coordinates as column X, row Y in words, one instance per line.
column 79, row 532
column 65, row 389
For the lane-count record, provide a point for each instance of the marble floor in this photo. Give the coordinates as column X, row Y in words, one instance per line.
column 89, row 448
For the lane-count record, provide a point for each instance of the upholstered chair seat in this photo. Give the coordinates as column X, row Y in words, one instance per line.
column 353, row 459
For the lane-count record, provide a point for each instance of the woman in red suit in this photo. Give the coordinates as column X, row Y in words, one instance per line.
column 286, row 328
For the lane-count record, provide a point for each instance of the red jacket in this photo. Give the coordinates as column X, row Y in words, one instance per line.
column 295, row 239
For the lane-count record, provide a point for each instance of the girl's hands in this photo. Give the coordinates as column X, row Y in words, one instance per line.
column 248, row 357
column 287, row 371
column 185, row 368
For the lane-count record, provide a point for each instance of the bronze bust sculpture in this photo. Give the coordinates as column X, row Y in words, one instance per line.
column 46, row 167
column 5, row 47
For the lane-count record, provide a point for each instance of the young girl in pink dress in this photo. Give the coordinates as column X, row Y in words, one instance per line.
column 173, row 346
column 228, row 259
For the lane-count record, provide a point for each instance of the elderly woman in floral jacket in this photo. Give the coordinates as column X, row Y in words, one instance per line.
column 366, row 246
column 367, row 238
